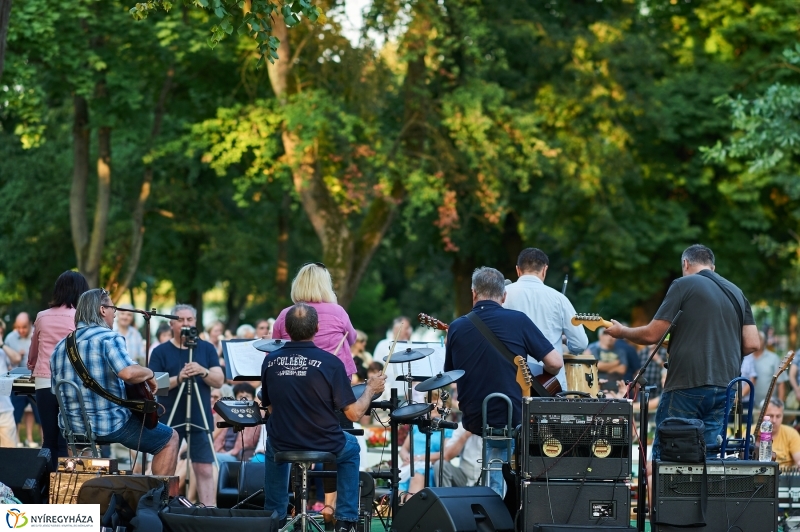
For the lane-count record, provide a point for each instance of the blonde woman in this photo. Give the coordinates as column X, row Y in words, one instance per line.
column 313, row 285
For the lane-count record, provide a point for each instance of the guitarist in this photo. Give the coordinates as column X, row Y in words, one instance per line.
column 486, row 370
column 706, row 347
column 106, row 359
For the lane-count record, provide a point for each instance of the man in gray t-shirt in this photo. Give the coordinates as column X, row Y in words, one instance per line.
column 714, row 332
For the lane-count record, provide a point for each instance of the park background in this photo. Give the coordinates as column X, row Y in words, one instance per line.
column 403, row 143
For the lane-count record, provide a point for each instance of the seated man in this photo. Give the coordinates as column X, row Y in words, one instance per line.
column 228, row 443
column 106, row 358
column 785, row 440
column 304, row 386
column 470, row 447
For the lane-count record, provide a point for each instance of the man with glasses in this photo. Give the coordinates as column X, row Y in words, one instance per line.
column 173, row 357
column 785, row 440
column 106, row 358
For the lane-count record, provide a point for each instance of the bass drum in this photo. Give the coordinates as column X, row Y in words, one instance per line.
column 581, row 373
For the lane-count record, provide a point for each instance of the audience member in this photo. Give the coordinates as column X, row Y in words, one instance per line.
column 766, row 364
column 611, row 357
column 204, row 371
column 125, row 325
column 361, row 357
column 264, row 328
column 785, row 439
column 8, row 426
column 163, row 334
column 245, row 332
column 215, row 333
column 52, row 326
column 229, row 445
column 19, row 343
column 470, row 448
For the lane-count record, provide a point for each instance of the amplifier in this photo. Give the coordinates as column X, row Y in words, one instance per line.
column 742, row 495
column 789, row 490
column 597, row 504
column 579, row 439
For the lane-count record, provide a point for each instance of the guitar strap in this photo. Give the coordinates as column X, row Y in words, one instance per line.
column 708, row 274
column 138, row 407
column 503, row 350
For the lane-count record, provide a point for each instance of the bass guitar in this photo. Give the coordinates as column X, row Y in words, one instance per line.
column 781, row 368
column 525, row 374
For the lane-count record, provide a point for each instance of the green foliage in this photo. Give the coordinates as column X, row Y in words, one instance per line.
column 256, row 21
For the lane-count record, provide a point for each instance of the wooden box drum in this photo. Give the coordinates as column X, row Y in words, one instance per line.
column 581, row 373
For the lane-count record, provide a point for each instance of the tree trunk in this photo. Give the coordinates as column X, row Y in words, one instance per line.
column 792, row 329
column 5, row 16
column 80, row 179
column 138, row 228
column 95, row 256
column 462, row 284
column 282, row 269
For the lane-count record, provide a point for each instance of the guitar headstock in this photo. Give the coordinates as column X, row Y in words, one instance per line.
column 590, row 321
column 525, row 371
column 433, row 323
column 787, row 360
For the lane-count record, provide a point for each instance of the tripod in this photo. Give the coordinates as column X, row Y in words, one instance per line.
column 192, row 390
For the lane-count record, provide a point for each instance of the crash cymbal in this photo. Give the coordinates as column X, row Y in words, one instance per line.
column 409, row 354
column 269, row 346
column 440, row 380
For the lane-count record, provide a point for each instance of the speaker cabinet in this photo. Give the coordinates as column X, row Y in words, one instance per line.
column 473, row 509
column 594, row 504
column 742, row 495
column 25, row 472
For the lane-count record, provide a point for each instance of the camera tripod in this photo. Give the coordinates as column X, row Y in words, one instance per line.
column 192, row 390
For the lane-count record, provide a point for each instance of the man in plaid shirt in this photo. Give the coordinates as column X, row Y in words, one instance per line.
column 106, row 358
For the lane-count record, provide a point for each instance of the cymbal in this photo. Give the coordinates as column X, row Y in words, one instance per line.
column 440, row 380
column 409, row 354
column 269, row 345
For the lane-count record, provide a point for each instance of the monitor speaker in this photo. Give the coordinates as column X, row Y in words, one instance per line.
column 473, row 509
column 596, row 504
column 25, row 472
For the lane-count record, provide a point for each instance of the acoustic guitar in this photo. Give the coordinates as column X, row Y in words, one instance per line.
column 781, row 368
column 141, row 392
column 524, row 376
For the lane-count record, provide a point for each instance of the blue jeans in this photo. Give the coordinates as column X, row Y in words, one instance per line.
column 498, row 449
column 132, row 436
column 706, row 403
column 276, row 482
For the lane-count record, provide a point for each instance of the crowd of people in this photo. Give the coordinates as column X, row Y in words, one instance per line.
column 307, row 384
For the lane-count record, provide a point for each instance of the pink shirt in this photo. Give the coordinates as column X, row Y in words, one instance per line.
column 333, row 324
column 51, row 326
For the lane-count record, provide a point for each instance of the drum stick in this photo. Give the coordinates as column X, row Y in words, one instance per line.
column 340, row 344
column 388, row 358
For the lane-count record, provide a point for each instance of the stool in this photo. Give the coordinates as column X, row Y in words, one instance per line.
column 78, row 442
column 304, row 461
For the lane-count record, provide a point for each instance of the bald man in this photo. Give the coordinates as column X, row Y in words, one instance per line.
column 17, row 345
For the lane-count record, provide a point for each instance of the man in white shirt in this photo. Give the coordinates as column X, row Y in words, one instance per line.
column 468, row 471
column 549, row 309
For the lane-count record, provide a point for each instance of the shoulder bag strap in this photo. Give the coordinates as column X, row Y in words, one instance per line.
column 734, row 301
column 89, row 382
column 503, row 350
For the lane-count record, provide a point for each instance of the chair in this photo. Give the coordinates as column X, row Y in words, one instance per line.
column 76, row 440
column 304, row 460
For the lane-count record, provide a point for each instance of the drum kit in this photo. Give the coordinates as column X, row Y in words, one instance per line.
column 420, row 414
column 581, row 376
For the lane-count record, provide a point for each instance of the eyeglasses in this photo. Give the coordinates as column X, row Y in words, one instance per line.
column 110, row 306
column 315, row 264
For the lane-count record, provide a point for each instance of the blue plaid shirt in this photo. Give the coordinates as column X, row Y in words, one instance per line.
column 104, row 354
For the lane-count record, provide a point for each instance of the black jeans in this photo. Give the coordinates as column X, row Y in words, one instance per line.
column 52, row 438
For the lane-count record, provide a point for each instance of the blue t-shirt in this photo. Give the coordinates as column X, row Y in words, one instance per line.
column 486, row 370
column 167, row 357
column 306, row 386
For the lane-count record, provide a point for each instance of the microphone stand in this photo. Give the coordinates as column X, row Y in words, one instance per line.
column 641, row 489
column 146, row 315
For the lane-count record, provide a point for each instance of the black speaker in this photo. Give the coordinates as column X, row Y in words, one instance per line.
column 742, row 495
column 566, row 502
column 473, row 509
column 25, row 472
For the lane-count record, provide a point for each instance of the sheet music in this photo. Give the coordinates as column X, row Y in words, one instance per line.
column 242, row 360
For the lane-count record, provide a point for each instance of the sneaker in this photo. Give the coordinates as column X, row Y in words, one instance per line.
column 31, row 444
column 346, row 526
